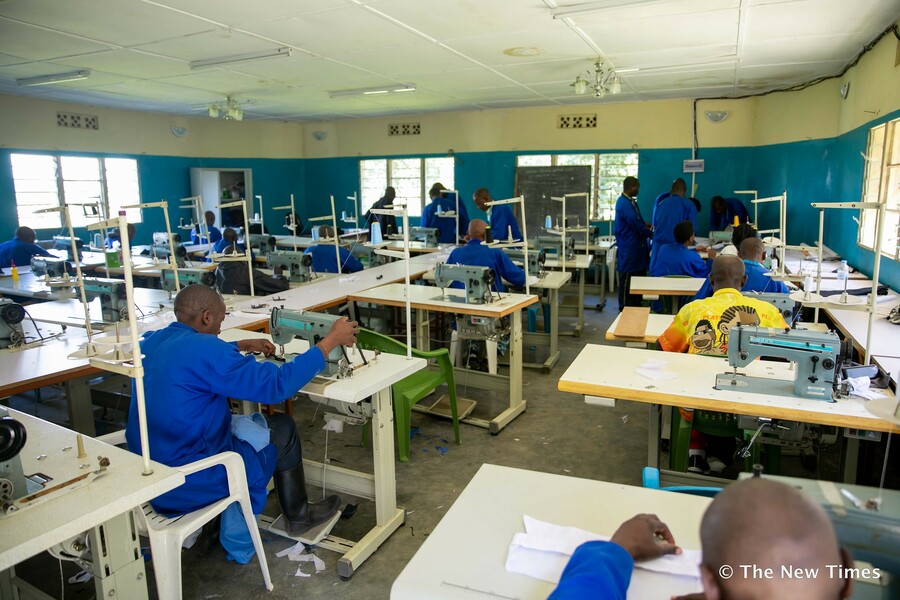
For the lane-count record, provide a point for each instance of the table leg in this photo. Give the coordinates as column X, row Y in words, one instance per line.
column 118, row 564
column 516, row 402
column 851, row 458
column 602, row 267
column 423, row 330
column 653, row 437
column 580, row 325
column 81, row 408
column 554, row 330
column 388, row 518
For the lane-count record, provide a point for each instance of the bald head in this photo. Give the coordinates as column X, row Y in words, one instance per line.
column 679, row 187
column 477, row 229
column 25, row 234
column 727, row 272
column 230, row 235
column 752, row 248
column 769, row 525
column 193, row 301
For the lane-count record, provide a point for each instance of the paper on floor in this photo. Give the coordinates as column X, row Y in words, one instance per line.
column 544, row 549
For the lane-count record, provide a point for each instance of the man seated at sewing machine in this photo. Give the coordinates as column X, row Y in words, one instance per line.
column 504, row 226
column 114, row 238
column 759, row 279
column 189, row 417
column 214, row 234
column 756, row 523
column 229, row 238
column 20, row 249
column 478, row 254
column 680, row 259
column 232, row 277
column 703, row 326
column 324, row 259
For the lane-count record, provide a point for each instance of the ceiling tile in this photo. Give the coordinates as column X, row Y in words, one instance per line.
column 34, row 43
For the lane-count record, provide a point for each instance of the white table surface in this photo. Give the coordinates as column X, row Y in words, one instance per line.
column 465, row 556
column 70, row 311
column 581, row 261
column 666, row 286
column 121, row 488
column 609, row 371
column 449, row 300
column 29, row 285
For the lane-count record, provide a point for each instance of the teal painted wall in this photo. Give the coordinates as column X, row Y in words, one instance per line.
column 813, row 170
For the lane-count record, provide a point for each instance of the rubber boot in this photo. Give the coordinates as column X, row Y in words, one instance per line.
column 300, row 514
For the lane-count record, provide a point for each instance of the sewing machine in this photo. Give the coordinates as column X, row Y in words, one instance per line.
column 816, row 359
column 53, row 268
column 160, row 248
column 11, row 316
column 297, row 264
column 536, row 259
column 113, row 301
column 476, row 280
column 61, row 242
column 427, row 235
column 368, row 255
column 554, row 243
column 263, row 243
column 782, row 302
column 187, row 277
column 285, row 325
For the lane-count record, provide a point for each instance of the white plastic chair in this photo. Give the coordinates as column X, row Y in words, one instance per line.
column 167, row 534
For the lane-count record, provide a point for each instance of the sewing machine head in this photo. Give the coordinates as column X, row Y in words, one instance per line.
column 427, row 235
column 160, row 248
column 297, row 264
column 262, row 242
column 53, row 268
column 476, row 280
column 186, row 277
column 536, row 259
column 61, row 242
column 553, row 243
column 112, row 294
column 11, row 316
column 368, row 255
column 816, row 356
column 285, row 325
column 782, row 302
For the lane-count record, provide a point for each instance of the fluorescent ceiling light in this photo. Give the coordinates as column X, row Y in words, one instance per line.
column 57, row 78
column 283, row 52
column 384, row 89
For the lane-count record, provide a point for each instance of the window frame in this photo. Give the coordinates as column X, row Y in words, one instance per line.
column 890, row 146
column 424, row 185
column 60, row 180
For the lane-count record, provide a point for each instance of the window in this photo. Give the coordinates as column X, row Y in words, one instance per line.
column 410, row 177
column 607, row 173
column 881, row 183
column 44, row 181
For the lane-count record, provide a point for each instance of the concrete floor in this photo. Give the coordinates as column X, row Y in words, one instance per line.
column 558, row 433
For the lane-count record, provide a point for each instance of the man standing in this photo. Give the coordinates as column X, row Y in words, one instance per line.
column 388, row 223
column 671, row 211
column 20, row 249
column 632, row 233
column 189, row 417
column 504, row 226
column 723, row 212
column 443, row 201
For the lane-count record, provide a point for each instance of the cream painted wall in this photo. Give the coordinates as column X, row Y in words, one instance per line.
column 657, row 124
column 28, row 123
column 735, row 130
column 874, row 86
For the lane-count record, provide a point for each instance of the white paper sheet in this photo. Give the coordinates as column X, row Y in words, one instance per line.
column 544, row 549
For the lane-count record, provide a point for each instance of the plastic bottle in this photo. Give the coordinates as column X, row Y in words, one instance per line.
column 548, row 222
column 15, row 271
column 843, row 272
column 737, row 221
column 98, row 240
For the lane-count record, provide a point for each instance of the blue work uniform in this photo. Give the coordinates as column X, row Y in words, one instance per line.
column 19, row 252
column 219, row 247
column 676, row 259
column 632, row 233
column 758, row 280
column 214, row 236
column 595, row 570
column 189, row 417
column 670, row 212
column 502, row 221
column 476, row 254
column 733, row 208
column 388, row 223
column 445, row 225
column 324, row 260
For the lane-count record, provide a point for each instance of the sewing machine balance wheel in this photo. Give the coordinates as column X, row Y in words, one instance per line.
column 12, row 438
column 13, row 313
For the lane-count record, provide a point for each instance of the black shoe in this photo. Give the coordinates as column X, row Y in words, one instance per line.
column 300, row 514
column 698, row 464
column 209, row 537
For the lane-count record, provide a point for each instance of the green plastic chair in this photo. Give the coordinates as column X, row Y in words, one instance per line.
column 718, row 424
column 410, row 390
